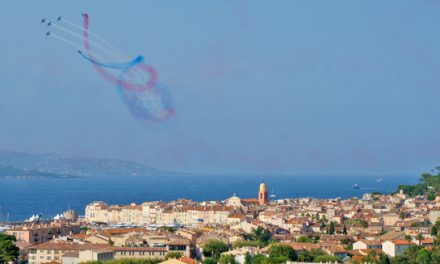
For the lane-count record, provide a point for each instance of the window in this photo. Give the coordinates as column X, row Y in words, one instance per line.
column 56, row 251
column 49, row 257
column 56, row 258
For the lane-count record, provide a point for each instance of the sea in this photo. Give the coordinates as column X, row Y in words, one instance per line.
column 22, row 198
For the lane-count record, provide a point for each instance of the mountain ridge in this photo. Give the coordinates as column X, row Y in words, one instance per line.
column 63, row 164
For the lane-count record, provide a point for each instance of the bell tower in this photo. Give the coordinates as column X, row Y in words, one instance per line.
column 262, row 195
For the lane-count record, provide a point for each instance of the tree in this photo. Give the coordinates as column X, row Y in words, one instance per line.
column 345, row 230
column 304, row 239
column 227, row 259
column 247, row 258
column 402, row 215
column 168, row 229
column 261, row 234
column 280, row 251
column 419, row 238
column 434, row 231
column 326, row 258
column 332, row 228
column 383, row 259
column 214, row 248
column 260, row 259
column 8, row 250
column 409, row 238
column 209, row 261
column 173, row 255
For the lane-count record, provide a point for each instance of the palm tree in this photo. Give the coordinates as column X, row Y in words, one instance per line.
column 419, row 238
column 402, row 215
column 409, row 238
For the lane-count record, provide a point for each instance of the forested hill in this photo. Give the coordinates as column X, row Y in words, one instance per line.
column 429, row 184
column 11, row 172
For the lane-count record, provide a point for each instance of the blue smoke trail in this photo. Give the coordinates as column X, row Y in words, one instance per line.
column 122, row 66
column 153, row 104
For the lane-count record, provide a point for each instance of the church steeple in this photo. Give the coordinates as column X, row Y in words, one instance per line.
column 262, row 195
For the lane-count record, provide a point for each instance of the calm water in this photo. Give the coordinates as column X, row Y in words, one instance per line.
column 22, row 198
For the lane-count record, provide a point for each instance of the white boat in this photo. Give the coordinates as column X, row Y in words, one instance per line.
column 272, row 195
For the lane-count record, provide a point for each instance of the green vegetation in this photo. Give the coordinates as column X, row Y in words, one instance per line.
column 429, row 184
column 214, row 248
column 332, row 228
column 280, row 251
column 209, row 261
column 373, row 258
column 419, row 255
column 261, row 235
column 278, row 254
column 8, row 250
column 248, row 243
column 227, row 259
column 316, row 255
column 126, row 261
column 357, row 222
column 308, row 239
column 173, row 255
column 168, row 229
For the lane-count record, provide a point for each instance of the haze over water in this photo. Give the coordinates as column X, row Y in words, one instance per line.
column 22, row 198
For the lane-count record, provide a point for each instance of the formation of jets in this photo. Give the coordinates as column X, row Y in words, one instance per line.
column 49, row 23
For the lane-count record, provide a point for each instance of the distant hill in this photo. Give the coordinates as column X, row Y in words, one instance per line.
column 429, row 185
column 11, row 172
column 76, row 166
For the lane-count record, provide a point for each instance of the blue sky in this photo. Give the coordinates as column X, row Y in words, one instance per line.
column 294, row 87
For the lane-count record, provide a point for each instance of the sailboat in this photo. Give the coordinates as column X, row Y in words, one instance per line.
column 272, row 194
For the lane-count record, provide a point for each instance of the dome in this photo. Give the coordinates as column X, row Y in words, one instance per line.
column 262, row 187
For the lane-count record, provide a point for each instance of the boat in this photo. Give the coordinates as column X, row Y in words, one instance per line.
column 355, row 186
column 272, row 195
column 379, row 180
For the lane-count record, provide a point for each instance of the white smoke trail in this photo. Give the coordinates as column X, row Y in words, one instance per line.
column 67, row 41
column 93, row 43
column 105, row 42
column 76, row 45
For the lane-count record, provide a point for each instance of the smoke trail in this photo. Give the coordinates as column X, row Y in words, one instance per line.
column 146, row 99
column 148, row 102
column 66, row 40
column 138, row 59
column 79, row 36
column 147, row 68
column 103, row 41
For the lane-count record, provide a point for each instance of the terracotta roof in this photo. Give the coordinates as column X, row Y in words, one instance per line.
column 188, row 260
column 139, row 249
column 117, row 231
column 67, row 246
column 71, row 254
column 401, row 242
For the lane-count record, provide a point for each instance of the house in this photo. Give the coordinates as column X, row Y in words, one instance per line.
column 367, row 244
column 395, row 247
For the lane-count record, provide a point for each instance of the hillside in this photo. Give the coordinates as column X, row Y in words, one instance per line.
column 11, row 172
column 429, row 184
column 77, row 166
